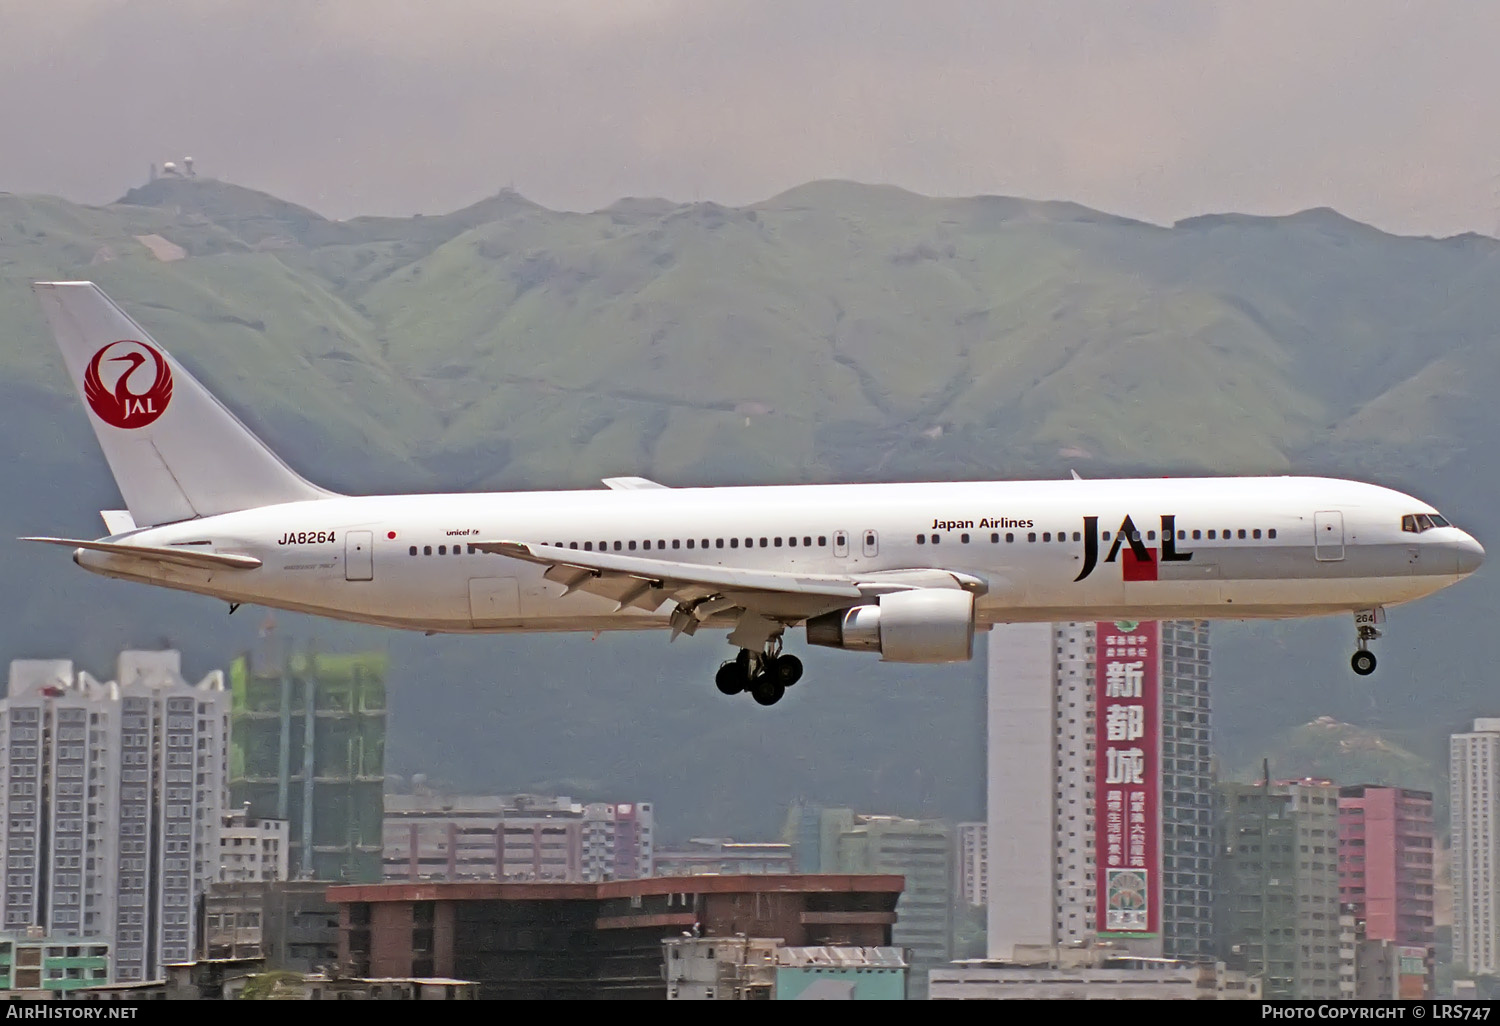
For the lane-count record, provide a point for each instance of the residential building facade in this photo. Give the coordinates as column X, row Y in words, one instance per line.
column 1474, row 808
column 115, row 796
column 1277, row 896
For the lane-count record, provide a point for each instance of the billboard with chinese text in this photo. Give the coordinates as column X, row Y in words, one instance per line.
column 1127, row 779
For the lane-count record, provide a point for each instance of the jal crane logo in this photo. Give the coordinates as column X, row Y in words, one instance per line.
column 116, row 404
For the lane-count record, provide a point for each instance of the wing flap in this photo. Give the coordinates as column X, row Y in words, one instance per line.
column 160, row 554
column 669, row 574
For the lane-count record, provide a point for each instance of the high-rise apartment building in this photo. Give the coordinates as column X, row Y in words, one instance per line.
column 430, row 836
column 114, row 796
column 1044, row 748
column 1277, row 885
column 1385, row 862
column 1474, row 805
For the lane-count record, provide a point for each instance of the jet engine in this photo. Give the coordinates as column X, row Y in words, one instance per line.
column 922, row 625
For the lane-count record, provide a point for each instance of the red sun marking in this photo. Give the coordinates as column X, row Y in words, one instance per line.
column 121, row 407
column 391, row 535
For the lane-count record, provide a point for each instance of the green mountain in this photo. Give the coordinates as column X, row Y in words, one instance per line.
column 835, row 332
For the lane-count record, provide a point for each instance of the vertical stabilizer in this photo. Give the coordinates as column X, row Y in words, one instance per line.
column 176, row 452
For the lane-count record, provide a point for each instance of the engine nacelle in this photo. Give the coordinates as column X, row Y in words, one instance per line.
column 923, row 625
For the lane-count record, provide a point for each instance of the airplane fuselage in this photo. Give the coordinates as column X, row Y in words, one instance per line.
column 1045, row 550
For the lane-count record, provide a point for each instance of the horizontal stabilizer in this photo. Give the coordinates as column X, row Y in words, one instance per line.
column 160, row 554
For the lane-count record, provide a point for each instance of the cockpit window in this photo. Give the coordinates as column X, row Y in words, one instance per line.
column 1416, row 523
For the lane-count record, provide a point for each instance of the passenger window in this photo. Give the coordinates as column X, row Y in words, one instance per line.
column 807, row 541
column 413, row 550
column 1105, row 536
column 936, row 538
column 1135, row 536
column 1078, row 536
column 646, row 544
column 1181, row 535
column 1031, row 537
column 964, row 538
column 588, row 546
column 705, row 543
column 995, row 538
column 457, row 551
column 442, row 550
column 822, row 541
column 1255, row 533
column 777, row 542
column 426, row 550
column 792, row 541
column 690, row 543
column 718, row 543
column 1151, row 536
column 1228, row 534
column 734, row 543
column 1271, row 533
column 661, row 543
column 1046, row 536
column 764, row 542
column 1197, row 535
column 921, row 539
column 1212, row 535
column 1009, row 537
column 632, row 546
column 572, row 545
column 1242, row 532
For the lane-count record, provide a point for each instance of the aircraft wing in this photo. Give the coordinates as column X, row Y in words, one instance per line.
column 702, row 591
column 160, row 554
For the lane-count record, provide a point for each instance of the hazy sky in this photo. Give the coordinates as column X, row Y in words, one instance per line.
column 1388, row 111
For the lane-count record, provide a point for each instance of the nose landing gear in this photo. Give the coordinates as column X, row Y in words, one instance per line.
column 766, row 676
column 1365, row 621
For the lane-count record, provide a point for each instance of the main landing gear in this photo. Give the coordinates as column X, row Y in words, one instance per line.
column 1365, row 623
column 766, row 676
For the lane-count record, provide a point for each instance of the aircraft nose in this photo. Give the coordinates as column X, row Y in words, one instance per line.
column 1468, row 554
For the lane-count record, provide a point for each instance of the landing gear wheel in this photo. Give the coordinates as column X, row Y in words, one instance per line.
column 1363, row 663
column 787, row 669
column 766, row 689
column 730, row 680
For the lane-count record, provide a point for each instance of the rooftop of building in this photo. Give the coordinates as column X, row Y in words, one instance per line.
column 739, row 883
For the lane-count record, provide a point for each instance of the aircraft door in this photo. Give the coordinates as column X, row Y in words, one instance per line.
column 1328, row 538
column 872, row 544
column 841, row 544
column 359, row 553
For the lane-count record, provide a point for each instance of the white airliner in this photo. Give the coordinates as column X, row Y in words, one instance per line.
column 910, row 571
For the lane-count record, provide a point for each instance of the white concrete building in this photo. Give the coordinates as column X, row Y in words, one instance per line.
column 133, row 775
column 1091, row 978
column 252, row 850
column 1040, row 857
column 1474, row 791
